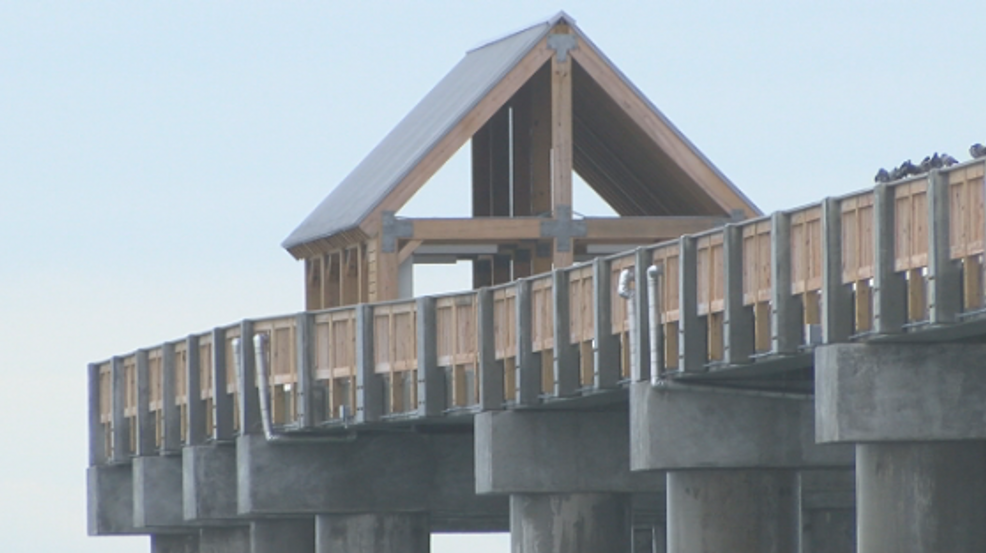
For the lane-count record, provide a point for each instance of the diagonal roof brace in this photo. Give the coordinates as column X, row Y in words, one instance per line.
column 561, row 44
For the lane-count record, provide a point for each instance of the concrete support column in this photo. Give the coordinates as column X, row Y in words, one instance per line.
column 915, row 413
column 569, row 523
column 377, row 533
column 740, row 511
column 915, row 497
column 175, row 543
column 282, row 536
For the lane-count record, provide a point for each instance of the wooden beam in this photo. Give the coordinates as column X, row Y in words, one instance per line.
column 491, row 229
column 635, row 229
column 540, row 146
column 661, row 132
column 455, row 138
column 522, row 119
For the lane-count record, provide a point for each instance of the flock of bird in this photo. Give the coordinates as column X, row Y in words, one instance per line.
column 935, row 161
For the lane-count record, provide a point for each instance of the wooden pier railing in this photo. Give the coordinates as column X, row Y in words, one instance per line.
column 897, row 258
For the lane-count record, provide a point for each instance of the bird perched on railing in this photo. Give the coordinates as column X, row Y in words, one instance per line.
column 977, row 151
column 908, row 168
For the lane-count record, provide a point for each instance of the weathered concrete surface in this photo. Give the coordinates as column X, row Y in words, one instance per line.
column 282, row 536
column 828, row 531
column 569, row 523
column 209, row 483
column 377, row 473
column 175, row 543
column 828, row 511
column 920, row 497
column 751, row 511
column 225, row 539
column 110, row 499
column 557, row 452
column 900, row 392
column 157, row 484
column 689, row 429
column 380, row 533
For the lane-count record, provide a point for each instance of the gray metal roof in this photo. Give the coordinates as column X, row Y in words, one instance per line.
column 418, row 133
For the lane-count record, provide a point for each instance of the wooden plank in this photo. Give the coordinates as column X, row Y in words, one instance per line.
column 483, row 229
column 646, row 229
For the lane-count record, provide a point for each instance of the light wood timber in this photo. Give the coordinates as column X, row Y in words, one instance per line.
column 663, row 135
column 407, row 250
column 634, row 229
column 489, row 229
column 561, row 147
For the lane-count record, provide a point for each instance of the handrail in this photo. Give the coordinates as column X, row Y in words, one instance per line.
column 742, row 293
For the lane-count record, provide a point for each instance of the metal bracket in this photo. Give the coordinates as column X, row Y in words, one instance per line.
column 561, row 44
column 563, row 228
column 392, row 229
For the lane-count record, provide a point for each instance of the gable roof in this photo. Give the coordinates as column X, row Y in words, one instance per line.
column 605, row 143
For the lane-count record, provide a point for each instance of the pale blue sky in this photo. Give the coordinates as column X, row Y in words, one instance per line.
column 154, row 154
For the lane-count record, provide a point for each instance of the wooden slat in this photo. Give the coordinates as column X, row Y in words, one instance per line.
column 542, row 317
column 756, row 262
column 911, row 225
column 966, row 216
column 806, row 250
column 581, row 307
column 505, row 323
column 857, row 237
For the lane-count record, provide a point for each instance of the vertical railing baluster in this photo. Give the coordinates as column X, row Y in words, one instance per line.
column 369, row 385
column 431, row 377
column 836, row 296
column 194, row 407
column 692, row 334
column 170, row 415
column 528, row 362
column 889, row 307
column 222, row 404
column 145, row 423
column 737, row 318
column 246, row 382
column 121, row 429
column 786, row 324
column 944, row 276
column 308, row 404
column 640, row 367
column 606, row 365
column 566, row 366
column 97, row 435
column 491, row 377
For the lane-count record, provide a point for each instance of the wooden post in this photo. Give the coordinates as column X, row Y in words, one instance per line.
column 692, row 334
column 561, row 143
column 528, row 378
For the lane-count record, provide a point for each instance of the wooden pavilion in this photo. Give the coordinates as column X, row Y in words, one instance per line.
column 535, row 106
